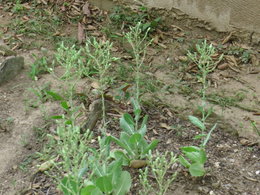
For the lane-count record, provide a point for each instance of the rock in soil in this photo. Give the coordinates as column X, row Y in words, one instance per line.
column 10, row 68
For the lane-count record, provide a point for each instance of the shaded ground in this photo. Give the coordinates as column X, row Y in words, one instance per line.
column 170, row 95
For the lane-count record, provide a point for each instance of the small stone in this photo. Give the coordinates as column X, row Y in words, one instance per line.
column 257, row 172
column 232, row 160
column 204, row 190
column 10, row 67
column 212, row 192
column 217, row 164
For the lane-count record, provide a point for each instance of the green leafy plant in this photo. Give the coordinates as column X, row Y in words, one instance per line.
column 159, row 165
column 100, row 58
column 132, row 138
column 71, row 60
column 18, row 7
column 103, row 175
column 40, row 66
column 139, row 46
column 122, row 16
column 113, row 180
column 197, row 155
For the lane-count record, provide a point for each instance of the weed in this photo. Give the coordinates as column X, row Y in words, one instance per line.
column 196, row 156
column 159, row 165
column 225, row 101
column 243, row 54
column 132, row 138
column 139, row 46
column 40, row 66
column 72, row 61
column 18, row 7
column 257, row 130
column 124, row 17
column 40, row 94
column 99, row 56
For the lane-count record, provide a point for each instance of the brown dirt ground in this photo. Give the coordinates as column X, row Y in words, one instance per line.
column 233, row 150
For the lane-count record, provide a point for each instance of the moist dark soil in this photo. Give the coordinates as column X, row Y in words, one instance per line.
column 170, row 93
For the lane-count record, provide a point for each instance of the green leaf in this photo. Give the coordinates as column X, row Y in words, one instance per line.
column 104, row 183
column 143, row 127
column 90, row 190
column 195, row 154
column 137, row 113
column 123, row 143
column 208, row 136
column 151, row 146
column 184, row 162
column 57, row 117
column 135, row 104
column 119, row 154
column 135, row 139
column 115, row 169
column 54, row 95
column 197, row 169
column 122, row 187
column 195, row 121
column 69, row 185
column 127, row 123
column 64, row 105
column 199, row 136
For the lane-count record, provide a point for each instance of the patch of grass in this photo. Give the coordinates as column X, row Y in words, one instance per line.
column 40, row 23
column 125, row 17
column 243, row 54
column 40, row 96
column 225, row 101
column 40, row 66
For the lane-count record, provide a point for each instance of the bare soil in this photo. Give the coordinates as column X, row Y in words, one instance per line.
column 233, row 151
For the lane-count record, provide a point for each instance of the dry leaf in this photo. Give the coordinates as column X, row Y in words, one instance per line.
column 46, row 165
column 162, row 45
column 81, row 34
column 183, row 58
column 176, row 28
column 156, row 39
column 227, row 38
column 85, row 9
column 138, row 164
column 155, row 132
column 223, row 66
column 95, row 85
column 164, row 125
column 90, row 27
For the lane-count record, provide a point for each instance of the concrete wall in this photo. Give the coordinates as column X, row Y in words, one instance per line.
column 222, row 14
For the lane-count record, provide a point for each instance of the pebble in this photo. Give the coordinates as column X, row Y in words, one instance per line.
column 212, row 192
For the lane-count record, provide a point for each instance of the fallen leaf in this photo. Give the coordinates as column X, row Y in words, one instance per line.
column 85, row 9
column 90, row 27
column 155, row 132
column 227, row 39
column 164, row 125
column 46, row 165
column 95, row 85
column 223, row 66
column 156, row 39
column 138, row 164
column 183, row 58
column 81, row 34
column 162, row 45
column 176, row 28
